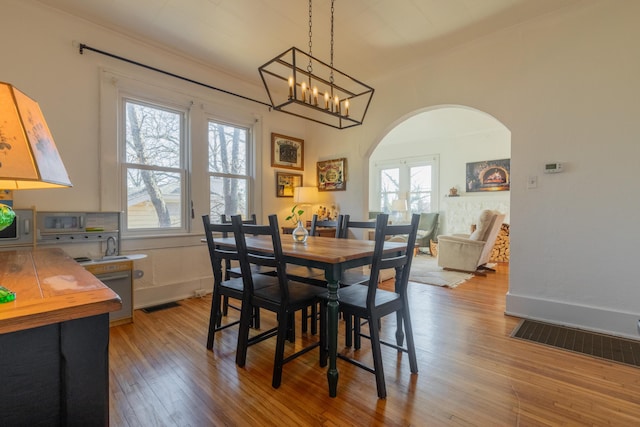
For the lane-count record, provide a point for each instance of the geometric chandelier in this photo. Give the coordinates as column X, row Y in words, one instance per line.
column 303, row 86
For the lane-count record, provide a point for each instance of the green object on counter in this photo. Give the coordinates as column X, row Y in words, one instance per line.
column 6, row 295
column 7, row 215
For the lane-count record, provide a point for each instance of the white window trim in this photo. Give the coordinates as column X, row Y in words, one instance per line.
column 113, row 84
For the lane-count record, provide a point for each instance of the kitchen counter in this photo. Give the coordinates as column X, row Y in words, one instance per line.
column 55, row 340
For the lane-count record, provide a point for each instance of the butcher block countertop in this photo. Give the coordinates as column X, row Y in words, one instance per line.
column 50, row 288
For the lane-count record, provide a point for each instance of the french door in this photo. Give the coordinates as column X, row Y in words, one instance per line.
column 413, row 180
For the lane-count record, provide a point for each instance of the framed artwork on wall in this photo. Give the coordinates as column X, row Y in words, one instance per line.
column 489, row 175
column 332, row 175
column 286, row 182
column 287, row 152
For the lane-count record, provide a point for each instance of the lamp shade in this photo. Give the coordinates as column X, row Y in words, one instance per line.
column 305, row 195
column 28, row 156
column 399, row 205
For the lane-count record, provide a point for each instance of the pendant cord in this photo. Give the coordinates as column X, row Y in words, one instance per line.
column 331, row 55
column 168, row 73
column 310, row 65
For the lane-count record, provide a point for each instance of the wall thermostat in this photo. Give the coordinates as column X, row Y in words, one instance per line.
column 553, row 167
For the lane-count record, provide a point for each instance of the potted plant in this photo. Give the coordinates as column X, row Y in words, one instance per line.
column 299, row 233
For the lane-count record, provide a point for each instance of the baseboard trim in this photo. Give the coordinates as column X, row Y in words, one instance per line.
column 157, row 295
column 595, row 319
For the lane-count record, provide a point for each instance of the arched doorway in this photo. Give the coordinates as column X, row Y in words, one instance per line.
column 446, row 138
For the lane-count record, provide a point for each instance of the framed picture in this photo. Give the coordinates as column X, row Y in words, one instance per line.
column 332, row 175
column 286, row 182
column 287, row 152
column 489, row 175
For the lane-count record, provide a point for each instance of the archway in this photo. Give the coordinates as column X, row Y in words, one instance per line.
column 450, row 137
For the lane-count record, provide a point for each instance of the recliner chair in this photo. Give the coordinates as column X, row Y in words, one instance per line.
column 470, row 253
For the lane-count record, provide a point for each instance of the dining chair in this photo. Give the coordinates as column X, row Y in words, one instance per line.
column 283, row 300
column 371, row 303
column 326, row 223
column 227, row 287
column 234, row 271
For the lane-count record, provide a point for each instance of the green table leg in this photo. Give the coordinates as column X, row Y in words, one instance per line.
column 332, row 314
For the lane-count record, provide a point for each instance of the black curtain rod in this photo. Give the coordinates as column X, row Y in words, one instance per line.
column 102, row 52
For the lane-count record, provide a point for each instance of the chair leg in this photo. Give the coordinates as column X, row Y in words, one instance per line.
column 256, row 318
column 225, row 306
column 377, row 358
column 399, row 332
column 291, row 327
column 314, row 319
column 305, row 316
column 357, row 339
column 348, row 330
column 411, row 349
column 214, row 319
column 283, row 331
column 243, row 333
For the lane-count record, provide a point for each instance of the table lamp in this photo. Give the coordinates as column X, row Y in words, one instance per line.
column 399, row 206
column 29, row 158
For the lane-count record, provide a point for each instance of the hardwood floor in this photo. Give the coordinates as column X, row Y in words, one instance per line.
column 471, row 373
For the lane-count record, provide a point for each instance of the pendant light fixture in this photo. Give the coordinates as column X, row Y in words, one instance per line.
column 306, row 87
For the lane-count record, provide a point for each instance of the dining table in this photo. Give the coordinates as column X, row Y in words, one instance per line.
column 332, row 255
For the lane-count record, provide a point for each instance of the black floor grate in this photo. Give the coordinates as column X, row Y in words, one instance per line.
column 160, row 307
column 597, row 345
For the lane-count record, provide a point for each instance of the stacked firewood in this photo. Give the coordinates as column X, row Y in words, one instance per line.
column 501, row 250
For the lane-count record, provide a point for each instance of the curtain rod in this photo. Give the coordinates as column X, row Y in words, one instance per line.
column 102, row 52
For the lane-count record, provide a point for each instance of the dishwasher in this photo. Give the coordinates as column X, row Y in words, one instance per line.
column 118, row 276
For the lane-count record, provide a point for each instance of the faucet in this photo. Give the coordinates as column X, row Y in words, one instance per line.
column 112, row 249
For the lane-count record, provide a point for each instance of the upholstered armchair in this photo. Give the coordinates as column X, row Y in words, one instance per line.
column 470, row 253
column 427, row 229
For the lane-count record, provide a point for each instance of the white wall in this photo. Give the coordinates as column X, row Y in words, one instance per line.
column 565, row 86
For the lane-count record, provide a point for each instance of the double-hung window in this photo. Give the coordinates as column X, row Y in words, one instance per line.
column 228, row 169
column 154, row 166
column 167, row 157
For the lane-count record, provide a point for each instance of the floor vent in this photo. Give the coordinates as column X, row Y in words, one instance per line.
column 607, row 347
column 160, row 307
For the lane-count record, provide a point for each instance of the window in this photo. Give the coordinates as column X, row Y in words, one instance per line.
column 169, row 154
column 389, row 187
column 154, row 166
column 413, row 180
column 228, row 169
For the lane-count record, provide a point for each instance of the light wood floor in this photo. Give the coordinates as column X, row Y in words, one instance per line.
column 471, row 373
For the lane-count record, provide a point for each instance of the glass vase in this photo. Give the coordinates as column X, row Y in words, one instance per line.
column 300, row 233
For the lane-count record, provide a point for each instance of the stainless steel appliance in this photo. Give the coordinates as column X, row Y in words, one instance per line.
column 116, row 274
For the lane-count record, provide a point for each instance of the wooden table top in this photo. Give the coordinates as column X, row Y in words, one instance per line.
column 50, row 287
column 326, row 250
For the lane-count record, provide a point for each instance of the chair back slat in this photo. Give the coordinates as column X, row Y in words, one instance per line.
column 337, row 224
column 400, row 260
column 274, row 259
column 347, row 224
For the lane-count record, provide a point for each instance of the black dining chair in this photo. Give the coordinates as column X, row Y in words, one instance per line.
column 284, row 300
column 227, row 287
column 371, row 303
column 230, row 270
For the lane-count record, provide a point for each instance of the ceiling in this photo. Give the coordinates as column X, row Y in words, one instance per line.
column 372, row 37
